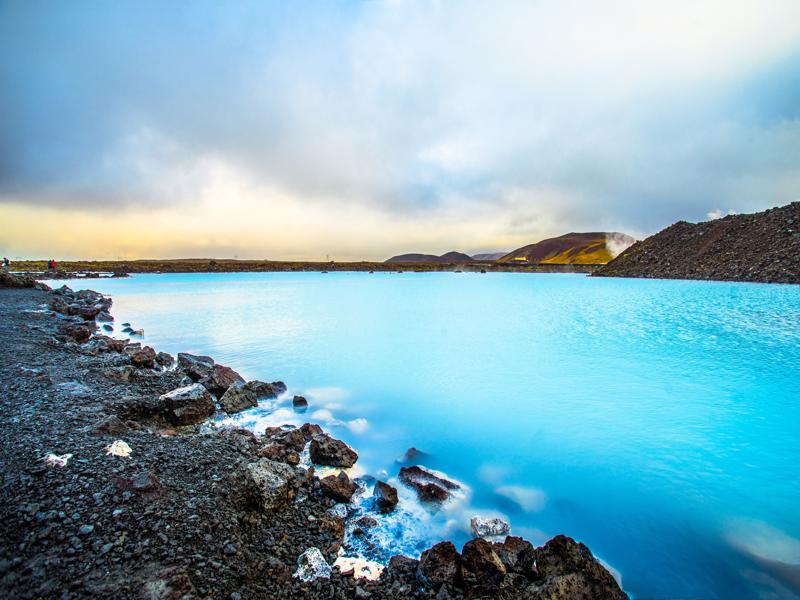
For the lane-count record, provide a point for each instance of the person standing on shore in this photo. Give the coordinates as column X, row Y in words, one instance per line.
column 6, row 263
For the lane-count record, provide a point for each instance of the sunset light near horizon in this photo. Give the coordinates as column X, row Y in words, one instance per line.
column 359, row 130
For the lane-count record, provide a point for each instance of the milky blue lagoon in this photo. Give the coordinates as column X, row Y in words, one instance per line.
column 656, row 421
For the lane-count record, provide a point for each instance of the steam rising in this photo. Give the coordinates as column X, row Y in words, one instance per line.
column 617, row 243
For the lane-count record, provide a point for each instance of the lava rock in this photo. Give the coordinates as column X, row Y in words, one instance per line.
column 385, row 497
column 331, row 452
column 478, row 557
column 238, row 398
column 195, row 366
column 312, row 565
column 144, row 358
column 220, row 379
column 165, row 360
column 439, row 565
column 270, row 484
column 429, row 487
column 262, row 389
column 517, row 555
column 299, row 402
column 338, row 487
column 187, row 405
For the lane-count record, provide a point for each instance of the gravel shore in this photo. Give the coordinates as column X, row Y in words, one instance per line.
column 107, row 492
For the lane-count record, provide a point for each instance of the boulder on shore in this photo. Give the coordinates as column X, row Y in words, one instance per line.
column 312, row 565
column 338, row 487
column 330, row 452
column 562, row 557
column 237, row 398
column 440, row 565
column 195, row 366
column 187, row 405
column 220, row 379
column 482, row 563
column 270, row 484
column 144, row 358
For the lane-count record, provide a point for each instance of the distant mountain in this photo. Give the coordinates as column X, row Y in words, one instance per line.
column 489, row 256
column 762, row 246
column 593, row 248
column 448, row 257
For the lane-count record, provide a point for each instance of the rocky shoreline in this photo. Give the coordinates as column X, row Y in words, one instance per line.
column 115, row 484
column 760, row 247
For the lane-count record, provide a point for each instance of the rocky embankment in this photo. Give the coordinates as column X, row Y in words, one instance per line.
column 115, row 485
column 761, row 247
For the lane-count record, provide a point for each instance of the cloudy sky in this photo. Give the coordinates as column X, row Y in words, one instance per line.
column 363, row 129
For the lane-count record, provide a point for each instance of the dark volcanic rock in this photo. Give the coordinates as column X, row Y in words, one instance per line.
column 429, row 487
column 238, row 398
column 562, row 557
column 478, row 557
column 195, row 366
column 187, row 405
column 385, row 497
column 338, row 487
column 144, row 358
column 299, row 401
column 280, row 453
column 402, row 565
column 220, row 379
column 270, row 484
column 262, row 389
column 165, row 360
column 518, row 556
column 439, row 565
column 761, row 246
column 78, row 332
column 331, row 452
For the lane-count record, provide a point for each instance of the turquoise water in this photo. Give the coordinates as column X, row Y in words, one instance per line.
column 656, row 421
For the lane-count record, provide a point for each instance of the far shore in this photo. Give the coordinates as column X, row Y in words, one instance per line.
column 65, row 269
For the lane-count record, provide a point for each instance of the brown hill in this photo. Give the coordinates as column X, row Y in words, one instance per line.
column 448, row 257
column 489, row 256
column 761, row 246
column 593, row 248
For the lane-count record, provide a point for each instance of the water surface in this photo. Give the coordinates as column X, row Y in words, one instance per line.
column 656, row 421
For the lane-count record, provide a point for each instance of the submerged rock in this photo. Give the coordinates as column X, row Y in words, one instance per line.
column 238, row 398
column 429, row 487
column 312, row 565
column 385, row 497
column 484, row 527
column 331, row 452
column 187, row 405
